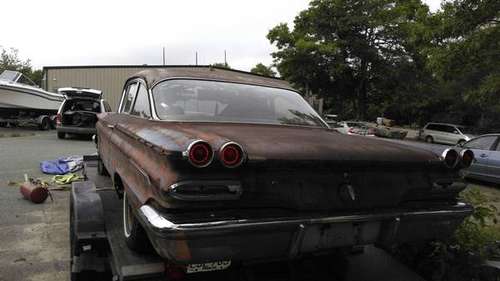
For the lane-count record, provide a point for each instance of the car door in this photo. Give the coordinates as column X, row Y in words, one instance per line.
column 482, row 148
column 106, row 150
column 494, row 161
column 449, row 134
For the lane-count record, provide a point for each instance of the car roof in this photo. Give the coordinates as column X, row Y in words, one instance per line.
column 155, row 75
column 447, row 124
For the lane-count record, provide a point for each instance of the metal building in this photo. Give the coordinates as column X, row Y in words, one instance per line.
column 107, row 78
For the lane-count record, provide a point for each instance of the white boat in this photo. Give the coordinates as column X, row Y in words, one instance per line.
column 18, row 92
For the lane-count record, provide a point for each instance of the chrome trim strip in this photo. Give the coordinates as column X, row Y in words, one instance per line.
column 231, row 185
column 163, row 225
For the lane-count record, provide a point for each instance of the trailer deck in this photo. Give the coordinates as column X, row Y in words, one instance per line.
column 115, row 261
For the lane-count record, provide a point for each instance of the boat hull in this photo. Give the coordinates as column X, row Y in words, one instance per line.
column 19, row 97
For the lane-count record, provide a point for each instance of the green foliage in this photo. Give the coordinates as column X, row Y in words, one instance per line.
column 396, row 59
column 263, row 70
column 352, row 52
column 479, row 231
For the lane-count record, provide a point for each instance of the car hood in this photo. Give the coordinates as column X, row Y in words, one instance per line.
column 273, row 142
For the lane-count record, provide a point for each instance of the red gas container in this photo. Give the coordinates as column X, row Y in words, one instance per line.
column 34, row 193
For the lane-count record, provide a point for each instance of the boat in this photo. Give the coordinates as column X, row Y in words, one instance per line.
column 19, row 93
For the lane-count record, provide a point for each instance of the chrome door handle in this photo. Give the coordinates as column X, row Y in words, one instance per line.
column 483, row 155
column 110, row 126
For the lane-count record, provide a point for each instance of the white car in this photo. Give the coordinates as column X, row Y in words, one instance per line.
column 445, row 133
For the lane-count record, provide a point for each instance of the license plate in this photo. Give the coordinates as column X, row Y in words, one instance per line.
column 209, row 266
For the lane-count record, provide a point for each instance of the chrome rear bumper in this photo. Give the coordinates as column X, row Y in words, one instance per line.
column 288, row 237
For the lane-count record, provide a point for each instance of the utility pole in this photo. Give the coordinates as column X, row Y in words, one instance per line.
column 196, row 58
column 163, row 55
column 225, row 58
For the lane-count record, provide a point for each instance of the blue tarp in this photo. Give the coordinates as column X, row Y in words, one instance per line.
column 62, row 165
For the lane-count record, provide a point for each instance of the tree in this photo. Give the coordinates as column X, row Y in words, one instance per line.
column 9, row 60
column 349, row 51
column 263, row 70
column 464, row 58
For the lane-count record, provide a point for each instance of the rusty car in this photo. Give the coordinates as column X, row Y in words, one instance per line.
column 217, row 166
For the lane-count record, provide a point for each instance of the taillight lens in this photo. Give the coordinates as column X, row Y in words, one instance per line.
column 200, row 154
column 58, row 119
column 231, row 155
column 450, row 158
column 467, row 157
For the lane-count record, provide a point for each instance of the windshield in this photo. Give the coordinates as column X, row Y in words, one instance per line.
column 197, row 100
column 9, row 75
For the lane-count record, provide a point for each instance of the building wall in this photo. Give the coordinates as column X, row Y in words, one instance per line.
column 109, row 80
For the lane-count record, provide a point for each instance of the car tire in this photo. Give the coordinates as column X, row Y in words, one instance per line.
column 61, row 135
column 101, row 169
column 45, row 124
column 461, row 143
column 135, row 236
column 429, row 139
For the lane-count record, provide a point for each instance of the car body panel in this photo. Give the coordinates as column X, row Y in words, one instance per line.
column 487, row 159
column 303, row 188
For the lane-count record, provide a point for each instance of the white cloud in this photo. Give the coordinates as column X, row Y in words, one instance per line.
column 65, row 32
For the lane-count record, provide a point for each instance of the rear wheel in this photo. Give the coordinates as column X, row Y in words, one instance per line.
column 429, row 139
column 45, row 124
column 135, row 236
column 461, row 142
column 61, row 135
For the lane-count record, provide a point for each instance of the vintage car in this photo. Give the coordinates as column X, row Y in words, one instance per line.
column 218, row 166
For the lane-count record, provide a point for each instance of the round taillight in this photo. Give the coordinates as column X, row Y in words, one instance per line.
column 467, row 157
column 231, row 155
column 200, row 154
column 450, row 158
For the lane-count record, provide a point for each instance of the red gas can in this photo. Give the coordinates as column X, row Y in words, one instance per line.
column 34, row 193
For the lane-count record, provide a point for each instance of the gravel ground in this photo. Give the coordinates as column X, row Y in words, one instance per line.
column 35, row 244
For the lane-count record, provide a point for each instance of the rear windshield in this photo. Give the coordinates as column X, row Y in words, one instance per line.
column 212, row 101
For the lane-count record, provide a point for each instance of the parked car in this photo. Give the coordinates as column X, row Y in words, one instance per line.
column 445, row 133
column 355, row 128
column 78, row 112
column 486, row 167
column 219, row 166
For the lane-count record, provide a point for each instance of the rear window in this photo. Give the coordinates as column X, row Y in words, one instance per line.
column 213, row 101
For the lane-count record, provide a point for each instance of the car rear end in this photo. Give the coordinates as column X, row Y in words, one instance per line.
column 281, row 202
column 78, row 113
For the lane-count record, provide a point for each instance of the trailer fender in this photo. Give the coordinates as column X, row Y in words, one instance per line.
column 86, row 218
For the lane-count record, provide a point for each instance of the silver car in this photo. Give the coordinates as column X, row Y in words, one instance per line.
column 486, row 165
column 445, row 133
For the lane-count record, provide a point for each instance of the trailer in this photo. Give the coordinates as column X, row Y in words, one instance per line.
column 43, row 119
column 99, row 251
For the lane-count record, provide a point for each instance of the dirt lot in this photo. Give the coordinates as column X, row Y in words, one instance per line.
column 35, row 243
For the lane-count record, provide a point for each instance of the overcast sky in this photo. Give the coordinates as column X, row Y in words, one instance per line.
column 89, row 32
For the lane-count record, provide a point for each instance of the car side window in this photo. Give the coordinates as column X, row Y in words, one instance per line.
column 141, row 106
column 130, row 93
column 432, row 127
column 482, row 143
